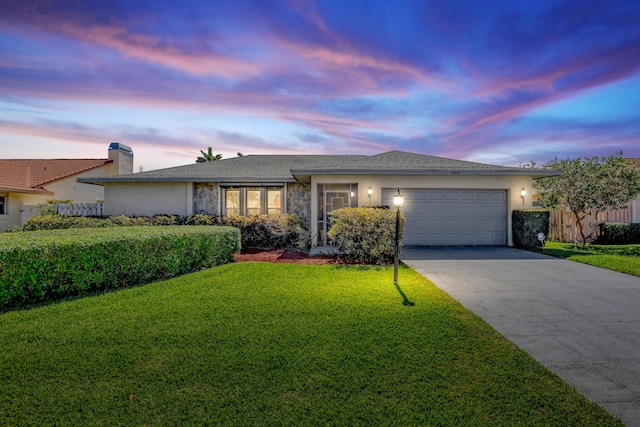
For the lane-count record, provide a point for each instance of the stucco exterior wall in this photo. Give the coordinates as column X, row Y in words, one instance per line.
column 15, row 202
column 69, row 189
column 148, row 199
column 513, row 185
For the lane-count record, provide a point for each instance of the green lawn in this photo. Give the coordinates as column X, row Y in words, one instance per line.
column 623, row 258
column 274, row 344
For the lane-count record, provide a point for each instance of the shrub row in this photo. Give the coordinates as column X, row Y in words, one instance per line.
column 47, row 265
column 281, row 231
column 526, row 225
column 365, row 235
column 617, row 233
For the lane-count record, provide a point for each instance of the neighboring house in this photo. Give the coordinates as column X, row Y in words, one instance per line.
column 447, row 202
column 25, row 183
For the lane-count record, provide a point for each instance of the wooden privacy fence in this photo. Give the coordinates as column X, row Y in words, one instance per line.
column 563, row 227
column 79, row 209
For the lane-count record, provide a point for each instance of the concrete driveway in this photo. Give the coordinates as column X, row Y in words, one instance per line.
column 581, row 322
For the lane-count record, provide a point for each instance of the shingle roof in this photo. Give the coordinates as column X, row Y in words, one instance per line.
column 29, row 175
column 254, row 168
column 290, row 168
column 400, row 162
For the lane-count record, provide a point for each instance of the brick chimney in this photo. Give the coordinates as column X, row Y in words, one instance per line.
column 122, row 156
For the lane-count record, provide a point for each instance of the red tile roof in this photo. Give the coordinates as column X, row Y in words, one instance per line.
column 29, row 175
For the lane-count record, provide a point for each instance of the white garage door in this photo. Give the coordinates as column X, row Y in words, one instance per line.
column 436, row 217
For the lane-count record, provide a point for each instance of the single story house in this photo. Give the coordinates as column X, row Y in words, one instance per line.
column 26, row 183
column 447, row 202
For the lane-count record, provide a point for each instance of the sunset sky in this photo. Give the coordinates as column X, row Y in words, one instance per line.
column 501, row 82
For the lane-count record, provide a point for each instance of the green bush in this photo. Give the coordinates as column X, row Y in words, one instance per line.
column 49, row 207
column 365, row 235
column 282, row 231
column 272, row 231
column 526, row 225
column 618, row 233
column 128, row 221
column 56, row 222
column 200, row 219
column 42, row 266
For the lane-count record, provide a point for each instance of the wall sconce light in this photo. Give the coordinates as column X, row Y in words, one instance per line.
column 369, row 193
column 523, row 193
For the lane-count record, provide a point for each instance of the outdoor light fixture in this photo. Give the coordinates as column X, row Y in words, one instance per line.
column 369, row 193
column 398, row 201
column 523, row 193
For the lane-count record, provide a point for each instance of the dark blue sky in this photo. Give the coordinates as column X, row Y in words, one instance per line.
column 501, row 82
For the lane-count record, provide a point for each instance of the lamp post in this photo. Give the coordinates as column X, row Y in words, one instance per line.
column 398, row 201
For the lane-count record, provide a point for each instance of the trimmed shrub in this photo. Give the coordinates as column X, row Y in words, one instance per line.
column 618, row 233
column 200, row 219
column 49, row 207
column 365, row 235
column 282, row 231
column 128, row 221
column 48, row 265
column 56, row 222
column 526, row 225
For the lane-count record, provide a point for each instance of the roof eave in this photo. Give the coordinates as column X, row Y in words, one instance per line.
column 447, row 172
column 37, row 191
column 116, row 180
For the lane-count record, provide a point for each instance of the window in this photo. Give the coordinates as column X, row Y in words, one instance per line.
column 274, row 206
column 232, row 201
column 251, row 201
column 3, row 205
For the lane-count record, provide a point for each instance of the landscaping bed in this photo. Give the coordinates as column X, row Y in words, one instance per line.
column 281, row 256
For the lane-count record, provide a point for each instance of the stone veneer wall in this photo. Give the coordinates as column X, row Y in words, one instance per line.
column 299, row 199
column 205, row 198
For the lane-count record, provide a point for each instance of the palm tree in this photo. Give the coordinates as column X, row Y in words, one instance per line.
column 208, row 156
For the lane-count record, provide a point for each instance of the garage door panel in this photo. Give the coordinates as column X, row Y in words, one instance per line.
column 436, row 217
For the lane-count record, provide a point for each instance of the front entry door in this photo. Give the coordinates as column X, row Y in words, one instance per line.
column 332, row 197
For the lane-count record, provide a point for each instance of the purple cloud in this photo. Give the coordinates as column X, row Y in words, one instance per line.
column 440, row 77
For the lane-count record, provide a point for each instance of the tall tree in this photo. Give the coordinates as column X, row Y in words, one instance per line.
column 590, row 184
column 208, row 156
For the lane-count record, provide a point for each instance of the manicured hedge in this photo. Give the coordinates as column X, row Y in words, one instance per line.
column 57, row 222
column 364, row 234
column 282, row 231
column 42, row 266
column 526, row 225
column 618, row 233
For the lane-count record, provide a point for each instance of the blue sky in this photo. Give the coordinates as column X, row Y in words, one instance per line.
column 501, row 82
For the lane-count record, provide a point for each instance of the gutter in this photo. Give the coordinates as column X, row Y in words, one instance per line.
column 516, row 172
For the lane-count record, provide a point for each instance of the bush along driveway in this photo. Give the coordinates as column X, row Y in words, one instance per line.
column 580, row 321
column 275, row 344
